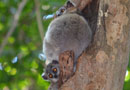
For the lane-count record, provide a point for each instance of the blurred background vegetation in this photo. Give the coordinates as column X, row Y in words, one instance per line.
column 21, row 22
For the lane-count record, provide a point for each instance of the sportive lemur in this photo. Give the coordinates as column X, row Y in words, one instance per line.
column 51, row 74
column 69, row 31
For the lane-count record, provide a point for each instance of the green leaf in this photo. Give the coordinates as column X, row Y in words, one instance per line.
column 11, row 40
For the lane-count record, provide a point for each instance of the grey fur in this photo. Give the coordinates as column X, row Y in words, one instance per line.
column 53, row 86
column 67, row 32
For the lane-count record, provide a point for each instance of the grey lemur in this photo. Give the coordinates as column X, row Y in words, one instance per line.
column 51, row 73
column 68, row 7
column 69, row 31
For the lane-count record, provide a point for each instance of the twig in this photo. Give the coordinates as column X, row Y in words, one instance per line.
column 14, row 24
column 39, row 19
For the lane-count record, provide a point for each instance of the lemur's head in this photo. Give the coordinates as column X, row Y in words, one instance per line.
column 52, row 71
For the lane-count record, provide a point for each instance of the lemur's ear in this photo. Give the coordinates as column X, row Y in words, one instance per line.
column 69, row 4
column 55, row 62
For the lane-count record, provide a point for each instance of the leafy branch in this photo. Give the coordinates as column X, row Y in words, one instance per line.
column 14, row 24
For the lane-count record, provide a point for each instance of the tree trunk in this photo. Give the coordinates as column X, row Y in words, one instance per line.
column 103, row 65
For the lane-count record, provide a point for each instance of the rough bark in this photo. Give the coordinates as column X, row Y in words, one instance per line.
column 103, row 65
column 66, row 62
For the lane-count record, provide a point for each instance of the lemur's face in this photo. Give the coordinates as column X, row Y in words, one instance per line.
column 52, row 72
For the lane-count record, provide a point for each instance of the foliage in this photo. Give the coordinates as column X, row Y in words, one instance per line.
column 20, row 67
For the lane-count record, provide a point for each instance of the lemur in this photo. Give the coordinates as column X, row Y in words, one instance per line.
column 70, row 31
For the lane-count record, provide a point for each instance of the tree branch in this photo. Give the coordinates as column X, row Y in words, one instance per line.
column 39, row 20
column 14, row 24
column 103, row 65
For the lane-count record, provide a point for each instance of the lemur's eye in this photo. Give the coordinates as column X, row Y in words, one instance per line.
column 54, row 70
column 62, row 10
column 50, row 76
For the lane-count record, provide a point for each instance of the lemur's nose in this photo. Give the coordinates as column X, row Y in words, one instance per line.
column 44, row 76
